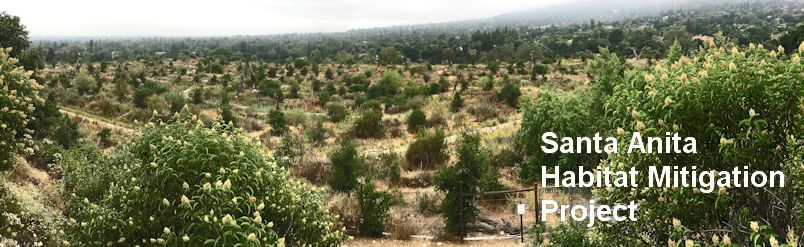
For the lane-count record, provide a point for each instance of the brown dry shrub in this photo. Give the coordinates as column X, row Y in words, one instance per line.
column 422, row 179
column 401, row 225
column 347, row 210
column 315, row 171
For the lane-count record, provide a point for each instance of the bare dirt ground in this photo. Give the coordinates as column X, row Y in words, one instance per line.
column 95, row 120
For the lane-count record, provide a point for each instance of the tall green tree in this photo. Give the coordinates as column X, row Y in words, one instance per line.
column 13, row 34
column 463, row 177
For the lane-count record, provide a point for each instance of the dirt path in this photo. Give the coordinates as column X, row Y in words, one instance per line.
column 96, row 120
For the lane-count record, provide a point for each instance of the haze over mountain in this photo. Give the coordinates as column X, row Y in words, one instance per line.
column 408, row 19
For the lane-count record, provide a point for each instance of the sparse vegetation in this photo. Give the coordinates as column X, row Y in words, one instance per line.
column 386, row 133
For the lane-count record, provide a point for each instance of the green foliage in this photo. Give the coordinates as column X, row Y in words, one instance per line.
column 374, row 207
column 389, row 55
column 227, row 115
column 564, row 235
column 389, row 85
column 276, row 119
column 563, row 114
column 183, row 184
column 287, row 151
column 316, row 133
column 84, row 83
column 272, row 89
column 674, row 53
column 509, row 94
column 46, row 116
column 539, row 69
column 369, row 125
column 337, row 112
column 395, row 173
column 294, row 90
column 18, row 98
column 176, row 102
column 428, row 150
column 606, row 70
column 486, row 82
column 103, row 137
column 345, row 165
column 85, row 173
column 457, row 103
column 416, row 121
column 459, row 179
column 198, row 96
column 140, row 95
column 490, row 178
column 740, row 106
column 13, row 35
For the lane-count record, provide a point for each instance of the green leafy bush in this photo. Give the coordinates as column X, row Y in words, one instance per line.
column 374, row 207
column 509, row 94
column 336, row 112
column 345, row 164
column 84, row 84
column 428, row 150
column 564, row 235
column 563, row 114
column 316, row 132
column 198, row 96
column 486, row 82
column 394, row 173
column 66, row 133
column 85, row 173
column 103, row 137
column 744, row 108
column 183, row 184
column 18, row 99
column 369, row 125
column 288, row 151
column 456, row 103
column 45, row 117
column 276, row 119
column 389, row 85
column 416, row 120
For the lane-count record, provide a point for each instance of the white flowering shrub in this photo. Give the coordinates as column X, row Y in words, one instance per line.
column 18, row 98
column 183, row 184
column 744, row 108
column 25, row 217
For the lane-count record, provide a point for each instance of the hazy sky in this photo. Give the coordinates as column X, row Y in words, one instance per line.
column 243, row 17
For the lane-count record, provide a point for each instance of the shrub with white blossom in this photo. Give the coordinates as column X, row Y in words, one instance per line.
column 18, row 99
column 745, row 108
column 184, row 184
